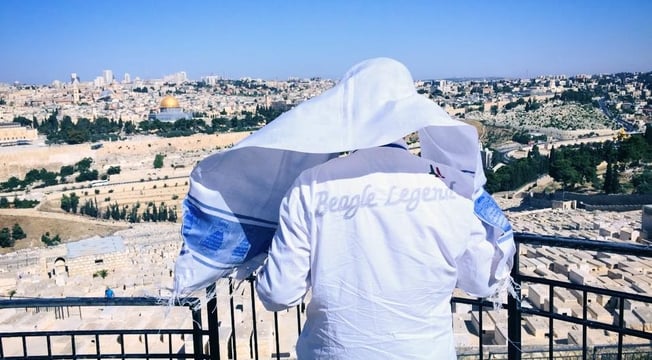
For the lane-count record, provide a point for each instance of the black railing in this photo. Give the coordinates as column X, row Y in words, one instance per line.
column 516, row 309
column 59, row 306
column 226, row 339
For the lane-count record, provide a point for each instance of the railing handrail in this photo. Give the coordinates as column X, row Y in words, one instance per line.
column 584, row 244
column 94, row 301
column 587, row 288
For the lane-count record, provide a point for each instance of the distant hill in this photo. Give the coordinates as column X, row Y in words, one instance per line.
column 462, row 79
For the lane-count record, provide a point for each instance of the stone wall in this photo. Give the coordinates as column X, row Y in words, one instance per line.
column 618, row 202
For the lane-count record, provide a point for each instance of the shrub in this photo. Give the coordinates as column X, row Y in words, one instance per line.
column 47, row 240
column 101, row 273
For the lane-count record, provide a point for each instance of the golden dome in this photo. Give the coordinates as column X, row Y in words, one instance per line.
column 169, row 102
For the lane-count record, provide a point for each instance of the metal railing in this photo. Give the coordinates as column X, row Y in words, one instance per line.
column 516, row 310
column 206, row 341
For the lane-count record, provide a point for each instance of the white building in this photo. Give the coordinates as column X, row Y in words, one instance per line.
column 108, row 76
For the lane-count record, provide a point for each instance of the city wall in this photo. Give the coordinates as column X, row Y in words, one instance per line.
column 617, row 202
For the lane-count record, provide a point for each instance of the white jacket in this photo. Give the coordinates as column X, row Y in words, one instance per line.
column 231, row 211
column 382, row 237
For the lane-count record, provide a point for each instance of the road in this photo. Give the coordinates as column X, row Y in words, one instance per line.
column 629, row 127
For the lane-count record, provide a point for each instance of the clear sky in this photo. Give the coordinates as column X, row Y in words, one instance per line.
column 46, row 40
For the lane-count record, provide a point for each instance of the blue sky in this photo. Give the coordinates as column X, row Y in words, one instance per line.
column 44, row 40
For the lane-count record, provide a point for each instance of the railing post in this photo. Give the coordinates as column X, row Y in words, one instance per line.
column 480, row 335
column 584, row 316
column 551, row 329
column 621, row 325
column 253, row 316
column 213, row 322
column 299, row 319
column 514, row 313
column 276, row 336
column 197, row 336
column 233, row 333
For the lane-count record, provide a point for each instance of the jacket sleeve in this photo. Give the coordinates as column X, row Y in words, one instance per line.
column 285, row 277
column 484, row 268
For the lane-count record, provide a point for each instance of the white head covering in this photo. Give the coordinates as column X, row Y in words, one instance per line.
column 375, row 103
column 231, row 209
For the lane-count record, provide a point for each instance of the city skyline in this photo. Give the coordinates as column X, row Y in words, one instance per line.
column 47, row 41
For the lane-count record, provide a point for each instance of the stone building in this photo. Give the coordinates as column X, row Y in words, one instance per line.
column 14, row 134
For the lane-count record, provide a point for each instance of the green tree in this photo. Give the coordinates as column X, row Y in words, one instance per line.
column 87, row 176
column 50, row 241
column 129, row 128
column 12, row 183
column 66, row 170
column 648, row 133
column 74, row 202
column 494, row 109
column 564, row 172
column 24, row 204
column 84, row 164
column 5, row 238
column 65, row 203
column 17, row 233
column 158, row 161
column 4, row 203
column 172, row 214
column 76, row 136
column 101, row 273
column 643, row 183
column 633, row 149
column 611, row 182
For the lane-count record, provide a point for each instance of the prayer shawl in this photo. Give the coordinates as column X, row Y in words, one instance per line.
column 231, row 210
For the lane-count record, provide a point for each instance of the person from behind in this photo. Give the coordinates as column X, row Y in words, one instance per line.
column 381, row 238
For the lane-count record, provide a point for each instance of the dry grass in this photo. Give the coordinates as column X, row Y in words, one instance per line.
column 35, row 223
column 135, row 158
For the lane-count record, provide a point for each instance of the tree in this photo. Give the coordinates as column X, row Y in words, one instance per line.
column 632, row 149
column 172, row 214
column 648, row 133
column 113, row 170
column 47, row 240
column 494, row 109
column 84, row 164
column 24, row 204
column 65, row 203
column 76, row 136
column 17, row 233
column 101, row 273
column 12, row 183
column 74, row 202
column 87, row 176
column 66, row 170
column 4, row 203
column 158, row 161
column 23, row 121
column 129, row 128
column 643, row 183
column 611, row 183
column 564, row 172
column 5, row 238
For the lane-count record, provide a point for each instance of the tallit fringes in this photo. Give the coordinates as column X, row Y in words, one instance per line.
column 508, row 286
